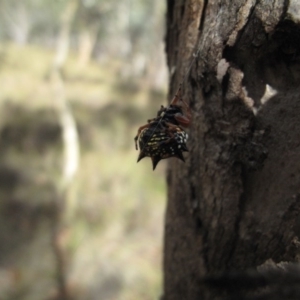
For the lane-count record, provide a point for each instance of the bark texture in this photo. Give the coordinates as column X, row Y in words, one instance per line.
column 235, row 203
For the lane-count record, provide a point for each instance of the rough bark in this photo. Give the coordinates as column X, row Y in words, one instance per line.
column 234, row 204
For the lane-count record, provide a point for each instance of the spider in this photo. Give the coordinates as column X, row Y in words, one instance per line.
column 157, row 143
column 163, row 136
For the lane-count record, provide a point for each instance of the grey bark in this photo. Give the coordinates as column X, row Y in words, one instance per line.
column 234, row 204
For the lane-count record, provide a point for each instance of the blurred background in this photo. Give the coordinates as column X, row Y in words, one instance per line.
column 79, row 218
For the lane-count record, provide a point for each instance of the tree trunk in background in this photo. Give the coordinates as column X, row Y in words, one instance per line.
column 63, row 41
column 65, row 201
column 87, row 41
column 231, row 206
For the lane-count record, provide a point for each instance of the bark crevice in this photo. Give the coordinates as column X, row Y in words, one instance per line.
column 242, row 173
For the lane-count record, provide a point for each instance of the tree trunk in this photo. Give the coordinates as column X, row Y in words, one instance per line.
column 66, row 199
column 235, row 203
column 87, row 41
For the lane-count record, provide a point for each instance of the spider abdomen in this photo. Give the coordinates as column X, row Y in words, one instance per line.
column 163, row 136
column 159, row 144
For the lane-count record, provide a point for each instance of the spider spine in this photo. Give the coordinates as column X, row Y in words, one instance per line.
column 163, row 136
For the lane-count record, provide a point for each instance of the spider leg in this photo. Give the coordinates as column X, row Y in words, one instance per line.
column 172, row 127
column 185, row 118
column 161, row 110
column 138, row 134
column 170, row 130
column 186, row 111
column 151, row 120
column 177, row 97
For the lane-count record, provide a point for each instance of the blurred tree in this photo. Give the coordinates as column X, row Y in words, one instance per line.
column 44, row 248
column 145, row 31
column 16, row 20
column 26, row 20
column 63, row 41
column 91, row 21
column 70, row 163
column 229, row 206
column 131, row 30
